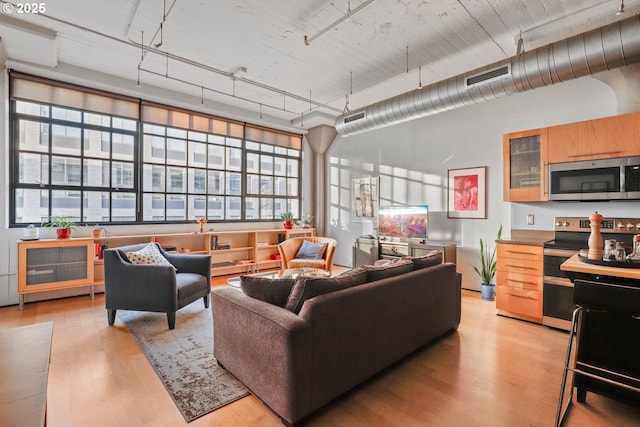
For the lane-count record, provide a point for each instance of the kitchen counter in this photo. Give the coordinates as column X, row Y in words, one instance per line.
column 575, row 264
column 527, row 237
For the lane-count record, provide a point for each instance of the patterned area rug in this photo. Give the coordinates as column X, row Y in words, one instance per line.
column 183, row 358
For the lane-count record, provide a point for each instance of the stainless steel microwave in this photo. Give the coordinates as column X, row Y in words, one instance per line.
column 604, row 179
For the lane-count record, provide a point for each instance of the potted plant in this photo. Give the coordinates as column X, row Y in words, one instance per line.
column 63, row 225
column 97, row 231
column 307, row 220
column 287, row 220
column 487, row 270
column 30, row 233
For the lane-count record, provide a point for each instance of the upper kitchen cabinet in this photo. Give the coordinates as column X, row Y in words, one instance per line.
column 525, row 164
column 604, row 138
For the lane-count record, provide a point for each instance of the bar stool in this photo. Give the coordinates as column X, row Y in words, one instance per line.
column 607, row 301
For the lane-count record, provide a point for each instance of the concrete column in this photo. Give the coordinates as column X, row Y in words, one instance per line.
column 320, row 139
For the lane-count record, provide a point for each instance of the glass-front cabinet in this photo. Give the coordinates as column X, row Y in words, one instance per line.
column 525, row 166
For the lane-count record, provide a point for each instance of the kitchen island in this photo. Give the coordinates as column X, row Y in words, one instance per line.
column 576, row 265
column 609, row 333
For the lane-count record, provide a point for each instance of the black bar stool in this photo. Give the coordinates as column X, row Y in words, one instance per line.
column 606, row 328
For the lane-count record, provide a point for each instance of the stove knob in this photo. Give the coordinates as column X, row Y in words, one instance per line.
column 566, row 223
column 638, row 226
column 559, row 224
column 620, row 225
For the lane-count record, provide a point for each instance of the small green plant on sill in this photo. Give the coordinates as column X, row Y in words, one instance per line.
column 62, row 221
column 286, row 216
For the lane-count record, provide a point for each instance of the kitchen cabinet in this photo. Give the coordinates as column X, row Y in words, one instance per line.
column 519, row 281
column 603, row 138
column 525, row 166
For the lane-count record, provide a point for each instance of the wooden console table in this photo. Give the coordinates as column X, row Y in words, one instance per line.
column 24, row 369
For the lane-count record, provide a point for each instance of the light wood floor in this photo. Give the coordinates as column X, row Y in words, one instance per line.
column 494, row 371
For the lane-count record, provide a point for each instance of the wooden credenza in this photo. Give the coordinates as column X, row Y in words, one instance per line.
column 54, row 264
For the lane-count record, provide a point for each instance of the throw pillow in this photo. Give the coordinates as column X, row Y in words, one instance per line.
column 273, row 291
column 310, row 250
column 309, row 287
column 428, row 260
column 379, row 272
column 148, row 255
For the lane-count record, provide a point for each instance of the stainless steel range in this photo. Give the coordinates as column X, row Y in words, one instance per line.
column 570, row 235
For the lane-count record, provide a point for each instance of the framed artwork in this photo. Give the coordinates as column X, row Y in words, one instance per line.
column 467, row 193
column 364, row 196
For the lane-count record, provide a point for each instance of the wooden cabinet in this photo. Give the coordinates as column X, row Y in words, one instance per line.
column 525, row 166
column 232, row 252
column 604, row 138
column 46, row 265
column 53, row 264
column 519, row 281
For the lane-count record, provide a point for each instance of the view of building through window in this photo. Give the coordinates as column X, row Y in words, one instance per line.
column 169, row 167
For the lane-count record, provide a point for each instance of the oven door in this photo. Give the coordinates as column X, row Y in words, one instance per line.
column 557, row 303
column 557, row 295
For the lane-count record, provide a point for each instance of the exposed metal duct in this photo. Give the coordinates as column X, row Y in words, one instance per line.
column 605, row 48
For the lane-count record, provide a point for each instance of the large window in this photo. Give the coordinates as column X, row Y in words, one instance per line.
column 151, row 164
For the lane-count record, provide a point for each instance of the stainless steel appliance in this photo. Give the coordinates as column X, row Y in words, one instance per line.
column 570, row 235
column 605, row 179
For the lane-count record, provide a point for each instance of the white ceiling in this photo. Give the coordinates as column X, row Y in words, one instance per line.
column 380, row 49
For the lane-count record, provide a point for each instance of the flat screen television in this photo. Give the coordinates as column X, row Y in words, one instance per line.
column 403, row 222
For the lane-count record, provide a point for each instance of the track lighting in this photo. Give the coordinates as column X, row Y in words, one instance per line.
column 621, row 9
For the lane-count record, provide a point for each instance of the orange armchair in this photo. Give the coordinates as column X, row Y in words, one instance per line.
column 290, row 247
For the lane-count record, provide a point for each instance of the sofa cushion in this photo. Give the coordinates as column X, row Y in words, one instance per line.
column 273, row 291
column 148, row 255
column 379, row 272
column 429, row 260
column 309, row 287
column 310, row 250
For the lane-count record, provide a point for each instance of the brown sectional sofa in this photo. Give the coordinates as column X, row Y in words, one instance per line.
column 297, row 363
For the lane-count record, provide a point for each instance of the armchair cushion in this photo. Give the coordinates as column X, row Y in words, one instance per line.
column 148, row 255
column 309, row 287
column 273, row 291
column 311, row 250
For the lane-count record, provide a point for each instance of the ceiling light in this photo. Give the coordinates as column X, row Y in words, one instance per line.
column 621, row 9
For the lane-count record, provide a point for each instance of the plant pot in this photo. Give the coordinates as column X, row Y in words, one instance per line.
column 97, row 232
column 488, row 292
column 30, row 233
column 63, row 233
column 288, row 225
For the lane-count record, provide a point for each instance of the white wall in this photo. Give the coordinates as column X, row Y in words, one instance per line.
column 413, row 158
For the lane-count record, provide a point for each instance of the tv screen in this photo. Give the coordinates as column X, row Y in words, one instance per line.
column 404, row 221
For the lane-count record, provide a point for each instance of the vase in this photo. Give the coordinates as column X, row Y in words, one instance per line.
column 488, row 292
column 97, row 232
column 63, row 233
column 288, row 225
column 202, row 228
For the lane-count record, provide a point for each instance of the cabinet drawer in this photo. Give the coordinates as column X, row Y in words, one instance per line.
column 524, row 252
column 522, row 266
column 519, row 280
column 520, row 302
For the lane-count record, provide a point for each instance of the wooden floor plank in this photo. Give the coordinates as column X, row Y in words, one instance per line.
column 494, row 371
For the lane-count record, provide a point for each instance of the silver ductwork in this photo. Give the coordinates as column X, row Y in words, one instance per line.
column 605, row 48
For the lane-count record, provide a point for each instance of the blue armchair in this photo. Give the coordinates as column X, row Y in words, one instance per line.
column 157, row 288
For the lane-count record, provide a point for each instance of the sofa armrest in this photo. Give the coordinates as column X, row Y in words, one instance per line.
column 200, row 264
column 266, row 347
